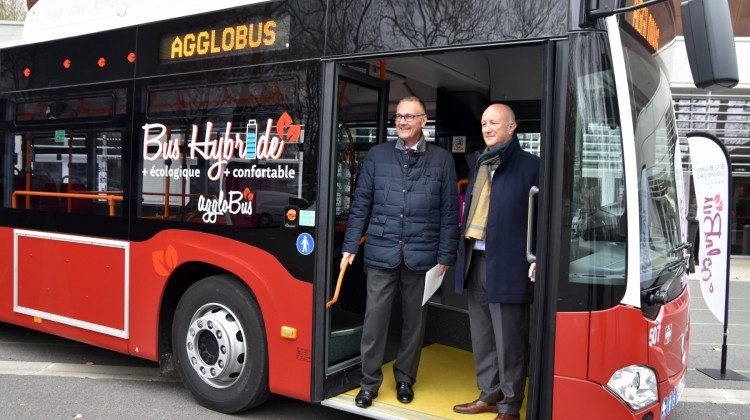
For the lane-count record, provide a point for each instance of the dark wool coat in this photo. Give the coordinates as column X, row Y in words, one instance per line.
column 409, row 203
column 505, row 240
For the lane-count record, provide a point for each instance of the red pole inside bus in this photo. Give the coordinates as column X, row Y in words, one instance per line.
column 166, row 188
column 28, row 171
column 184, row 179
column 70, row 162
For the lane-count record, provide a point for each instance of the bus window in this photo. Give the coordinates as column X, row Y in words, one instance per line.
column 89, row 108
column 226, row 154
column 67, row 171
column 656, row 139
column 595, row 185
column 195, row 101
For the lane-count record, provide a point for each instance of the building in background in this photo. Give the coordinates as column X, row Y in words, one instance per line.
column 12, row 13
column 10, row 30
column 724, row 113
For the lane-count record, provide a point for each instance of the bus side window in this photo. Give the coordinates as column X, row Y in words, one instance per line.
column 52, row 172
column 258, row 169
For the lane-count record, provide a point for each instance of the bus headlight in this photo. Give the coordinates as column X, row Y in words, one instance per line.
column 636, row 385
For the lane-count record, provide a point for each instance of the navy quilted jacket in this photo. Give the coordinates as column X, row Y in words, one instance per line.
column 409, row 203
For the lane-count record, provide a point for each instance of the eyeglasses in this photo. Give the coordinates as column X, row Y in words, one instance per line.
column 407, row 117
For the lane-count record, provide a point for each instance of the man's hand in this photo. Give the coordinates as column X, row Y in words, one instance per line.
column 532, row 272
column 442, row 269
column 346, row 258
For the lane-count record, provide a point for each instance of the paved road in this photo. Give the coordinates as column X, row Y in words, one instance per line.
column 706, row 398
column 42, row 376
column 45, row 377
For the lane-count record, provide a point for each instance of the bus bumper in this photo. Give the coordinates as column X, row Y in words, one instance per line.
column 670, row 392
column 601, row 403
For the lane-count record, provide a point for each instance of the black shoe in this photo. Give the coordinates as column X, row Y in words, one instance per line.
column 364, row 398
column 404, row 392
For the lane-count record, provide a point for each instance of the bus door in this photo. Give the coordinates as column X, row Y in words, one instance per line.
column 359, row 123
column 455, row 103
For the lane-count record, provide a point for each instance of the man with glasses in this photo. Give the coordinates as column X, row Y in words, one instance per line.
column 407, row 198
column 492, row 265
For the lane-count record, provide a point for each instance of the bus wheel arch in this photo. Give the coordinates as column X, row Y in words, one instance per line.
column 179, row 281
column 219, row 344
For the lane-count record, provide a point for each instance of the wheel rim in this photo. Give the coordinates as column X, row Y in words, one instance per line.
column 216, row 345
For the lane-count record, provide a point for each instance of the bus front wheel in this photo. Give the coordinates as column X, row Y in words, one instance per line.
column 219, row 345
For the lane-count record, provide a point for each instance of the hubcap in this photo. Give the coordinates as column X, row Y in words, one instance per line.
column 216, row 346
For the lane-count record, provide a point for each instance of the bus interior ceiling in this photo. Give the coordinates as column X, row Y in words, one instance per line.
column 456, row 87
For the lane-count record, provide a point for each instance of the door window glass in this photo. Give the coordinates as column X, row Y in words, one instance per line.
column 594, row 186
column 358, row 130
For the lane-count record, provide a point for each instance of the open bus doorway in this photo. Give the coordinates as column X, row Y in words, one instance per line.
column 456, row 86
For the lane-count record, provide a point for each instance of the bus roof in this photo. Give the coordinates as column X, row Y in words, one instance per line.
column 57, row 19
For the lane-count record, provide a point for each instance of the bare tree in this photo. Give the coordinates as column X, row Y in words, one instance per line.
column 308, row 20
column 439, row 22
column 12, row 9
column 530, row 18
column 352, row 28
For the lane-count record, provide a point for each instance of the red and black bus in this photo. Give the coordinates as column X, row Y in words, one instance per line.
column 176, row 179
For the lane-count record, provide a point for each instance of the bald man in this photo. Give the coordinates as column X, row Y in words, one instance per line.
column 492, row 264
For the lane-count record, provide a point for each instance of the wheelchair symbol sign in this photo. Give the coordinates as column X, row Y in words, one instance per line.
column 305, row 244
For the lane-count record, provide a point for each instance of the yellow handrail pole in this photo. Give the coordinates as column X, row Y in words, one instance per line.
column 110, row 198
column 340, row 280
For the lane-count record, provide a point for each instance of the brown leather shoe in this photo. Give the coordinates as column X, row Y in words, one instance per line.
column 507, row 416
column 475, row 407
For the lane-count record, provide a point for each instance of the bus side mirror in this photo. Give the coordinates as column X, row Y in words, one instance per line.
column 710, row 43
column 589, row 11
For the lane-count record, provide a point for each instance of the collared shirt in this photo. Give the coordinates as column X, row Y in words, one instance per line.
column 420, row 147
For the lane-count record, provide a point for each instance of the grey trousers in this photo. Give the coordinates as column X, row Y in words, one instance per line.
column 500, row 341
column 382, row 284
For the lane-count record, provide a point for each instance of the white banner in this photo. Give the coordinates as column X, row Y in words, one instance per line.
column 681, row 204
column 711, row 177
column 680, row 183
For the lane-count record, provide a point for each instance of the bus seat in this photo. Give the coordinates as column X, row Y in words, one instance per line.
column 78, row 205
column 19, row 184
column 43, row 182
column 462, row 184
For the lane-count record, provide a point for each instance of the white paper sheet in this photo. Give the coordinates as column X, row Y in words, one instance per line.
column 431, row 283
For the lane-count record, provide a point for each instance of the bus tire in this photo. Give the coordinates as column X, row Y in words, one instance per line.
column 219, row 345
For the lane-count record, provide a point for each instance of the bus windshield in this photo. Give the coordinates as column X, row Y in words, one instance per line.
column 646, row 34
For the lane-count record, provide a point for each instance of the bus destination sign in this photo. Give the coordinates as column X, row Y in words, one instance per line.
column 219, row 41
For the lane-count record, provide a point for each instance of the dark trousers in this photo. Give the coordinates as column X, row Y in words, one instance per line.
column 382, row 284
column 499, row 339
